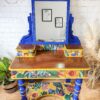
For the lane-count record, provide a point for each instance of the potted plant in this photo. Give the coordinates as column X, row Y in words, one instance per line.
column 6, row 82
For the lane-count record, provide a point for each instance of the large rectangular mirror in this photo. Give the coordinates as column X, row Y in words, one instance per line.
column 51, row 20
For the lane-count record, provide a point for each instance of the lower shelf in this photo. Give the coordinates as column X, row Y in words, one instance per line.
column 49, row 90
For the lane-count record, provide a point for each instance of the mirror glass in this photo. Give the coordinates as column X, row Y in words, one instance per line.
column 50, row 20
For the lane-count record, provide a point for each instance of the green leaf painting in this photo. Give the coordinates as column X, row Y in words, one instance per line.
column 20, row 75
column 53, row 73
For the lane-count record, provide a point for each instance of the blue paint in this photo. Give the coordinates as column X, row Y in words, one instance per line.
column 24, row 98
column 22, row 89
column 67, row 23
column 68, row 80
column 77, row 89
column 73, row 40
column 79, row 81
column 21, row 82
column 75, row 97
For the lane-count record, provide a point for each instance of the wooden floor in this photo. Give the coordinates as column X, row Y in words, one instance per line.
column 6, row 96
column 86, row 94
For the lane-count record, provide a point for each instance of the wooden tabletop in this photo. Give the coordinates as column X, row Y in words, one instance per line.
column 50, row 61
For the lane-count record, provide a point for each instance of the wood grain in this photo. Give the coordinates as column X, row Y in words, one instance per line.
column 49, row 60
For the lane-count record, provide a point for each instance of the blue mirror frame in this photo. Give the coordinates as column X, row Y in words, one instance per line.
column 31, row 37
column 67, row 23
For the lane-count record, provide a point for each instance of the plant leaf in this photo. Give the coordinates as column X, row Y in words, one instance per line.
column 2, row 76
column 2, row 66
column 6, row 62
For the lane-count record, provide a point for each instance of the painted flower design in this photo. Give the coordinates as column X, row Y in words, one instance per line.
column 72, row 73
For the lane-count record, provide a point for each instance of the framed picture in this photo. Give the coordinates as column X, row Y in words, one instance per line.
column 59, row 22
column 46, row 15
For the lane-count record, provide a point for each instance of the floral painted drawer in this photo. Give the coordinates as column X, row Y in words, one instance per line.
column 48, row 74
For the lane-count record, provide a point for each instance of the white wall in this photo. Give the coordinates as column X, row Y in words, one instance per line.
column 13, row 22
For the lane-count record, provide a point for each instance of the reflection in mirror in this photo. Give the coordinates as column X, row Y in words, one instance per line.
column 50, row 21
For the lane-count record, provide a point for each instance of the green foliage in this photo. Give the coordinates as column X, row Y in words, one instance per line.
column 6, row 62
column 4, row 72
column 2, row 66
column 2, row 75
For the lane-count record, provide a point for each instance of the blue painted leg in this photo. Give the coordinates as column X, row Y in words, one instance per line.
column 77, row 89
column 22, row 89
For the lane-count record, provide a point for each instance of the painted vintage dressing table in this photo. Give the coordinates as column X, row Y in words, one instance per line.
column 50, row 51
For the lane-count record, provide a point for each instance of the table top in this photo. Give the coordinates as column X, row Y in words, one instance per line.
column 49, row 61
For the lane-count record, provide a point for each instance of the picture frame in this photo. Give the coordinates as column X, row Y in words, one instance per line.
column 59, row 22
column 46, row 15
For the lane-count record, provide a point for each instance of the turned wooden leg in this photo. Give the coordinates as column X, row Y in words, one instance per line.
column 77, row 89
column 22, row 89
